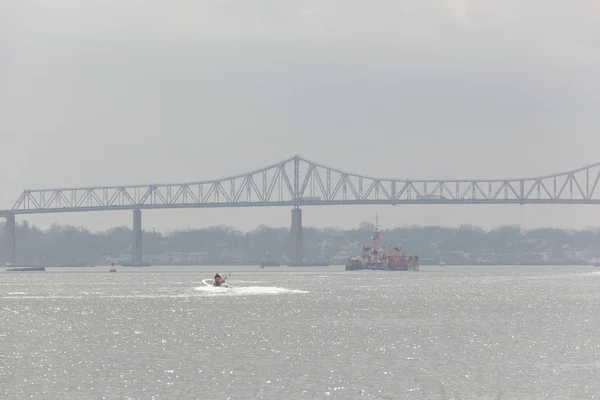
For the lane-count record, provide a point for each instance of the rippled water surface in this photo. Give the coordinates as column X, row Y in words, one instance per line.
column 294, row 333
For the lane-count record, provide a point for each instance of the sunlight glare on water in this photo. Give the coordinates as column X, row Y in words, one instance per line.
column 301, row 333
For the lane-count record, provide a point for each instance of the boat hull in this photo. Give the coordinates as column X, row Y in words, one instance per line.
column 381, row 267
column 211, row 282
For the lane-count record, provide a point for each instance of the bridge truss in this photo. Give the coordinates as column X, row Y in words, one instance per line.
column 299, row 182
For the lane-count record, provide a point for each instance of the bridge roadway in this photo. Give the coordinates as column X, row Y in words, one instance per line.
column 297, row 182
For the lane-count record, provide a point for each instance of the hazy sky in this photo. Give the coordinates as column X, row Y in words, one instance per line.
column 141, row 91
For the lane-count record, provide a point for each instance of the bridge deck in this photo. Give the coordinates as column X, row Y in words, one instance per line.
column 297, row 181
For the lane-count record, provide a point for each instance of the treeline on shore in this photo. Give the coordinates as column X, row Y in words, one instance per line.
column 63, row 244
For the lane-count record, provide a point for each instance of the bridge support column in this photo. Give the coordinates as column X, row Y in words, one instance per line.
column 297, row 255
column 10, row 239
column 136, row 246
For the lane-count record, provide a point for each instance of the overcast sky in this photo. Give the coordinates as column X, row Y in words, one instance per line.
column 140, row 91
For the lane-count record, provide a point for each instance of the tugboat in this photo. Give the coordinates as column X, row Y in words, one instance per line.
column 384, row 259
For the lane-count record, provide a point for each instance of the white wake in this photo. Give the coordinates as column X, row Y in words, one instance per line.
column 210, row 290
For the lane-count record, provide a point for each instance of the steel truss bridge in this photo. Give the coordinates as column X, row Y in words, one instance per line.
column 298, row 182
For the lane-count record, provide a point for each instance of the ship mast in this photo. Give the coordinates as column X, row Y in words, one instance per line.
column 376, row 233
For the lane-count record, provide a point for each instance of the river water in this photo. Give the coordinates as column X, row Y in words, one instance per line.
column 300, row 333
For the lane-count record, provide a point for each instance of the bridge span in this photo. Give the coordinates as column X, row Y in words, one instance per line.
column 297, row 182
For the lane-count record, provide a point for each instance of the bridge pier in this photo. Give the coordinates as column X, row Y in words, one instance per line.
column 136, row 246
column 10, row 240
column 297, row 255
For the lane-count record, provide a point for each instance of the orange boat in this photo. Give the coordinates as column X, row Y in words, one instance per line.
column 385, row 259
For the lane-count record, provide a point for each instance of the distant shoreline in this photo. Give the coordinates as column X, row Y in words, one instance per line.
column 558, row 263
column 283, row 265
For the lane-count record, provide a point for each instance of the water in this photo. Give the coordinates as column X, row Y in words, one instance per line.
column 300, row 333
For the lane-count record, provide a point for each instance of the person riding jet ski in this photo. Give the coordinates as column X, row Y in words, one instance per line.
column 218, row 280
